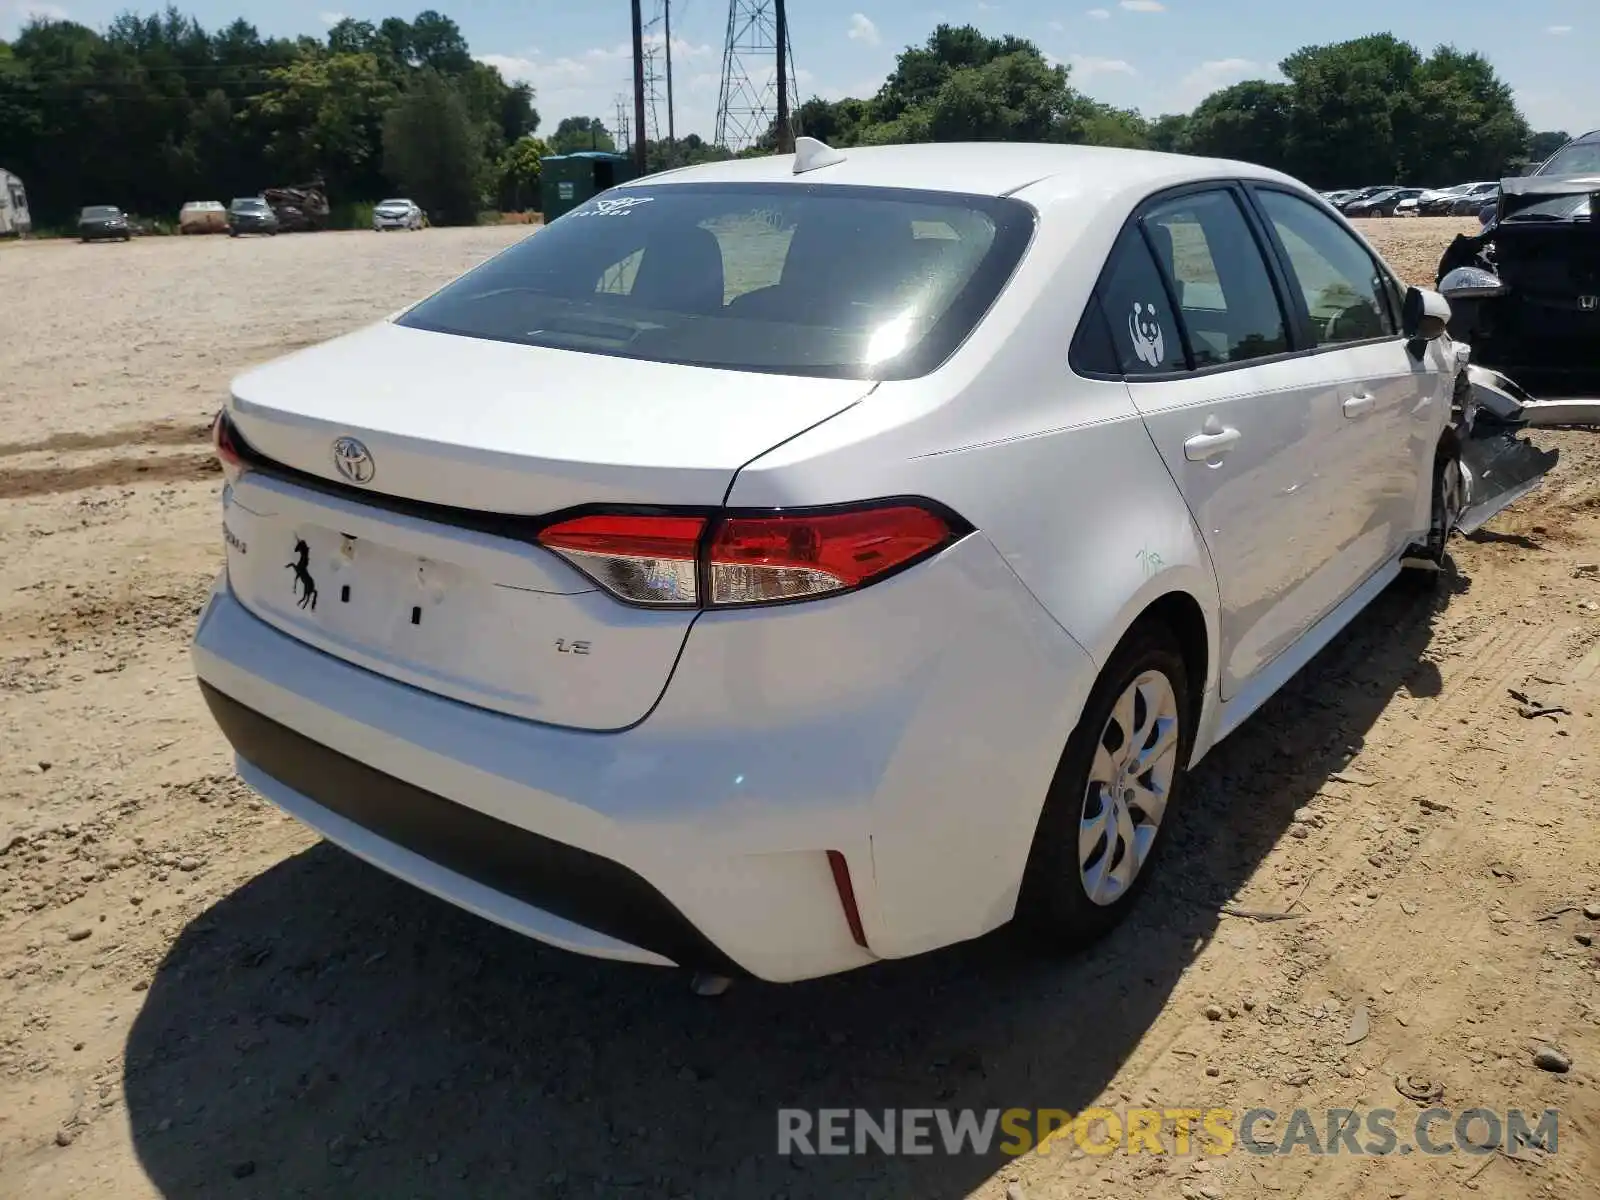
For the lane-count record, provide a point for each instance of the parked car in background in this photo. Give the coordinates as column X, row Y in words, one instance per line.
column 827, row 613
column 1436, row 202
column 251, row 214
column 1382, row 204
column 1470, row 202
column 396, row 214
column 103, row 223
column 1361, row 194
column 203, row 216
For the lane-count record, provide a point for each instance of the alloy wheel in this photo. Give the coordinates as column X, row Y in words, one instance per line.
column 1130, row 779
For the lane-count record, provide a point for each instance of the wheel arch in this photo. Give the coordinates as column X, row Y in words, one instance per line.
column 1184, row 601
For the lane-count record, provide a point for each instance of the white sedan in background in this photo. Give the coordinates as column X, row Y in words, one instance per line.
column 780, row 565
column 396, row 214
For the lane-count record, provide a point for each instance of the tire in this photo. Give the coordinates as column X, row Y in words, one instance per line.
column 1056, row 901
column 1448, row 498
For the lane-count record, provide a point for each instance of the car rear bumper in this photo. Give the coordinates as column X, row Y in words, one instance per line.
column 701, row 836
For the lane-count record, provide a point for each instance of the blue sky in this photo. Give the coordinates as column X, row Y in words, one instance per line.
column 1154, row 55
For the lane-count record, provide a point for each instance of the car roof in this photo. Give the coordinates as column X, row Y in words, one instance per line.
column 980, row 168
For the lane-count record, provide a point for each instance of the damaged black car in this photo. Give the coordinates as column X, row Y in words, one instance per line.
column 1525, row 291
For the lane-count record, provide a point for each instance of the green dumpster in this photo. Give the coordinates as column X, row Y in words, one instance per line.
column 567, row 180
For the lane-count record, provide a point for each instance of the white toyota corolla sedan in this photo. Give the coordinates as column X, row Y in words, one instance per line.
column 780, row 565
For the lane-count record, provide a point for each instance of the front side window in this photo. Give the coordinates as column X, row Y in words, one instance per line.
column 818, row 280
column 1342, row 285
column 1143, row 329
column 1224, row 292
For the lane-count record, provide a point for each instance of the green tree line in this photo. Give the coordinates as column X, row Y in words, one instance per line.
column 155, row 110
column 1371, row 110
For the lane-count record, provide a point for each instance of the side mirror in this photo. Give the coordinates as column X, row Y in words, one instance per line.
column 1471, row 283
column 1424, row 314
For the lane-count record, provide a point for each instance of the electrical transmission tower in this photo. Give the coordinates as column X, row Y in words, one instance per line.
column 652, row 93
column 748, row 105
column 622, row 135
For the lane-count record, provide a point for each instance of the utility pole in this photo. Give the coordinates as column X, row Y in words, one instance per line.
column 785, row 142
column 638, row 90
column 666, row 17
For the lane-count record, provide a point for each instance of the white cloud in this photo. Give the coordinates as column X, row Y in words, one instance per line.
column 1144, row 5
column 1086, row 66
column 1558, row 30
column 17, row 13
column 862, row 30
column 983, row 6
column 1099, row 14
column 1211, row 75
column 330, row 18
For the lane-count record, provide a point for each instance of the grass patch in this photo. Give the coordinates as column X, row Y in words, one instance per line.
column 353, row 214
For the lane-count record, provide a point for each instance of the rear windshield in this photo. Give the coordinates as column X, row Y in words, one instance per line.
column 814, row 280
column 101, row 211
column 249, row 203
column 394, row 203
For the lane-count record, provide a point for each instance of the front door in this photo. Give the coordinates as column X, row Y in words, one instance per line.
column 1394, row 399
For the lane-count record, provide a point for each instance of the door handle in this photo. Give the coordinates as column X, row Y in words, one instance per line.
column 1203, row 447
column 1360, row 405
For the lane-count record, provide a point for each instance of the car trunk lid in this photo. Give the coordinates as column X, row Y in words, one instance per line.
column 417, row 558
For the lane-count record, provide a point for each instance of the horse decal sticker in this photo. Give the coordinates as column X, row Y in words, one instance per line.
column 304, row 586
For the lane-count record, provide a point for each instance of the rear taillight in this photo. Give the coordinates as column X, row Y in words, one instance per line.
column 749, row 558
column 222, row 440
column 641, row 559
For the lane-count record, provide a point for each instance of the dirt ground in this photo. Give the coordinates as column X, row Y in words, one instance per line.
column 197, row 997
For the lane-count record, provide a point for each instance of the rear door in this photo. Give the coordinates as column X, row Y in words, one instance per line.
column 1393, row 397
column 1242, row 424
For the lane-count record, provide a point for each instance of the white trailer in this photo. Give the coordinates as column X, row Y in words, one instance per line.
column 14, row 218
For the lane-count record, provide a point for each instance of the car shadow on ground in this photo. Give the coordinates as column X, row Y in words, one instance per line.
column 327, row 1031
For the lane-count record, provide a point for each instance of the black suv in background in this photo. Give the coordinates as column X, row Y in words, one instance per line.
column 1526, row 291
column 251, row 214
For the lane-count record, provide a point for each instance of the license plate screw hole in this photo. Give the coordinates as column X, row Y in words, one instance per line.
column 416, row 615
column 344, row 594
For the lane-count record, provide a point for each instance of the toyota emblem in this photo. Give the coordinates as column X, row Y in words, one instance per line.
column 353, row 460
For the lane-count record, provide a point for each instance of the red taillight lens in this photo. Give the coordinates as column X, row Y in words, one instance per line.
column 642, row 559
column 748, row 559
column 784, row 557
column 222, row 440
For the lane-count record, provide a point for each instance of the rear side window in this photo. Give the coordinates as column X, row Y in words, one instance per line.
column 1225, row 294
column 1144, row 331
column 817, row 280
column 1343, row 288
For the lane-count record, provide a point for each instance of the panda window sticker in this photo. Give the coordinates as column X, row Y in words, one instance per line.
column 1144, row 330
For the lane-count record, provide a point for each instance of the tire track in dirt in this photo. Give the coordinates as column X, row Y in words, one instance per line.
column 153, row 433
column 116, row 472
